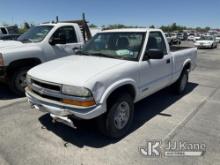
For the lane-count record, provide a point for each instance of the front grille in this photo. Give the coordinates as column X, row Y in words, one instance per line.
column 47, row 97
column 47, row 86
column 46, row 90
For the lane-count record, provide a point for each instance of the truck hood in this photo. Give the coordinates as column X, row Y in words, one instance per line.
column 8, row 44
column 73, row 70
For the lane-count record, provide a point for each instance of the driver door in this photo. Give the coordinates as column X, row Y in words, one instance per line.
column 70, row 43
column 155, row 73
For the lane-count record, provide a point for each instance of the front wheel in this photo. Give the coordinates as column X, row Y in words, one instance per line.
column 17, row 81
column 181, row 83
column 117, row 122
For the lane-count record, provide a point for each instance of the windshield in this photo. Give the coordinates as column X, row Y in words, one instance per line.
column 206, row 38
column 119, row 45
column 35, row 34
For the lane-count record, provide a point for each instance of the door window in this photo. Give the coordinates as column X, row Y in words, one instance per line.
column 4, row 31
column 68, row 32
column 156, row 41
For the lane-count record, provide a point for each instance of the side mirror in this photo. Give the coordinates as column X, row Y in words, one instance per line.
column 153, row 54
column 58, row 40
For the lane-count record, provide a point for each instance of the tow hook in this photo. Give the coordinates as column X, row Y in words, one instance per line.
column 64, row 120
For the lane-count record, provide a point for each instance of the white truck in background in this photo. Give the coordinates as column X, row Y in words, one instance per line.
column 8, row 33
column 40, row 44
column 6, row 30
column 114, row 70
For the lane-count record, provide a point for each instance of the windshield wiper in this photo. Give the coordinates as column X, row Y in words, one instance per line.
column 25, row 41
column 104, row 55
column 82, row 53
column 98, row 55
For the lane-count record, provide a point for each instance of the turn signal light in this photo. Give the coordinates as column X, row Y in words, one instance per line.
column 88, row 103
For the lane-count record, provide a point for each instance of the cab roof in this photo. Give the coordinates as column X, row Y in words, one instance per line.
column 130, row 30
column 57, row 24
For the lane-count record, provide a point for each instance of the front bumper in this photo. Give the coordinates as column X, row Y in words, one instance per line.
column 60, row 109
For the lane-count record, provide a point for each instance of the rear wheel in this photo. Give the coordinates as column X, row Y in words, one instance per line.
column 181, row 83
column 116, row 123
column 17, row 81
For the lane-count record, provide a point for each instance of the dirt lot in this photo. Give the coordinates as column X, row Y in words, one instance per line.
column 29, row 137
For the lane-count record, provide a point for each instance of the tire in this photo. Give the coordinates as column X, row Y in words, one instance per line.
column 180, row 85
column 17, row 81
column 116, row 123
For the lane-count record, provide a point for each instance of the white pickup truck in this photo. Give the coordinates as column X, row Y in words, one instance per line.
column 114, row 70
column 40, row 44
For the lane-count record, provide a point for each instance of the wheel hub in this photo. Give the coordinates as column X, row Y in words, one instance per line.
column 122, row 115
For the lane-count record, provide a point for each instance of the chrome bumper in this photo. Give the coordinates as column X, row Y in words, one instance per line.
column 60, row 109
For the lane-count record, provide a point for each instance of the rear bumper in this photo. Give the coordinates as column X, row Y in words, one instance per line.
column 58, row 109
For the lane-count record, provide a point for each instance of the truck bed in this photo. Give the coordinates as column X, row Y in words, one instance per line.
column 177, row 48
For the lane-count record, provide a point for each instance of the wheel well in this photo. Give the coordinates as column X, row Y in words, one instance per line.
column 31, row 62
column 123, row 89
column 187, row 66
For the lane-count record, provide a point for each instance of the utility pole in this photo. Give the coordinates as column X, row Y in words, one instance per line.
column 57, row 19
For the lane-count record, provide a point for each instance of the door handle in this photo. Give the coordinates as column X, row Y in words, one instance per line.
column 168, row 61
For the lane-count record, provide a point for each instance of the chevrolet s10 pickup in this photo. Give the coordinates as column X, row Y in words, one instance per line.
column 114, row 70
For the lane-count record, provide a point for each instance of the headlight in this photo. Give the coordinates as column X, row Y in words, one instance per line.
column 1, row 60
column 76, row 91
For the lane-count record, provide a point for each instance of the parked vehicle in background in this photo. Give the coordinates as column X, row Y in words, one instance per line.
column 218, row 38
column 206, row 42
column 185, row 36
column 180, row 36
column 6, row 30
column 39, row 44
column 3, row 31
column 169, row 38
column 175, row 39
column 114, row 70
column 9, row 37
column 191, row 38
column 197, row 37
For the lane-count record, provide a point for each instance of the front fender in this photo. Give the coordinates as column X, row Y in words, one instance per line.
column 22, row 53
column 115, row 86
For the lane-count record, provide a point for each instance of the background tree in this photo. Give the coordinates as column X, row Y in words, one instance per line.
column 23, row 28
column 152, row 27
column 93, row 26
